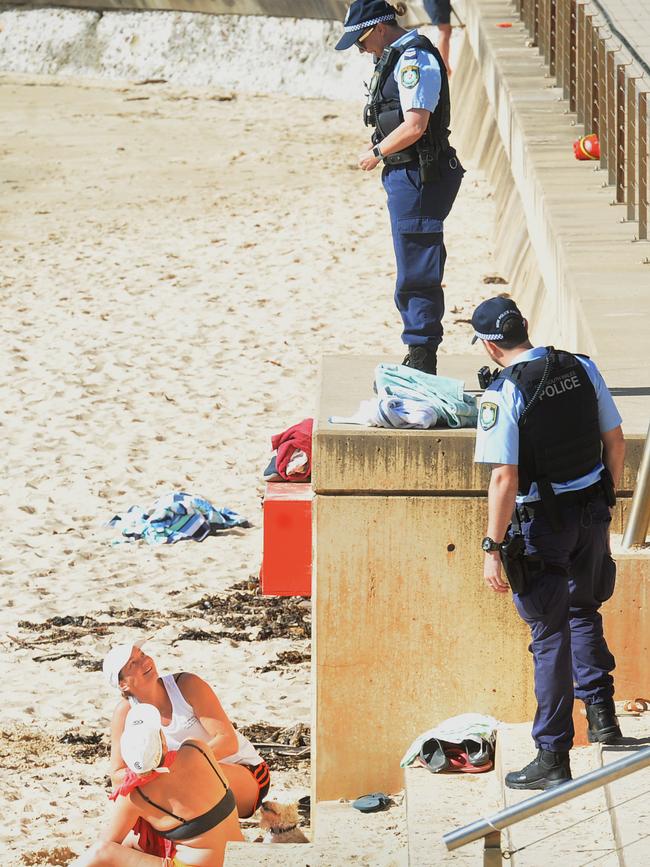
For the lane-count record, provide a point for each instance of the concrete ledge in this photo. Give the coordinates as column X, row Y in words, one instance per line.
column 590, row 835
column 438, row 803
column 626, row 619
column 441, row 461
column 260, row 855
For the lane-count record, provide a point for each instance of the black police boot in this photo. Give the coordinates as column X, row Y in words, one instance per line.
column 602, row 722
column 549, row 769
column 422, row 358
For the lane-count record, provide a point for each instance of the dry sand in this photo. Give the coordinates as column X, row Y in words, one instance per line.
column 175, row 264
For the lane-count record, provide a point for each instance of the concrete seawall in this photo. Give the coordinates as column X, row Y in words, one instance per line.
column 572, row 262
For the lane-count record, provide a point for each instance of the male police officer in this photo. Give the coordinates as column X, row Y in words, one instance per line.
column 408, row 106
column 550, row 428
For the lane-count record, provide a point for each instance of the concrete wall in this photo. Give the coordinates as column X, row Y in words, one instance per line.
column 405, row 632
column 571, row 259
column 326, row 10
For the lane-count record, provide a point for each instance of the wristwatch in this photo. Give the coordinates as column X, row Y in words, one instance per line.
column 490, row 545
column 377, row 152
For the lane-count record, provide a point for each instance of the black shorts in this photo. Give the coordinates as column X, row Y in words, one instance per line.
column 439, row 11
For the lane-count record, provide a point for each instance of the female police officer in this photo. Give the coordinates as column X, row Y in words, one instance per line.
column 550, row 428
column 408, row 106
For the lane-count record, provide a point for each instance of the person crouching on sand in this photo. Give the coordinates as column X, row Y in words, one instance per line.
column 189, row 708
column 181, row 794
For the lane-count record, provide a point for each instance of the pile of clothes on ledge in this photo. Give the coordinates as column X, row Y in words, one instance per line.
column 409, row 398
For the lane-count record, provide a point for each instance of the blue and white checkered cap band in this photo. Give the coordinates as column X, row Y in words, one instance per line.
column 488, row 336
column 365, row 24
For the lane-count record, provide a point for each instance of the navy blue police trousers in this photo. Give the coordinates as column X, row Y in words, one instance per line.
column 417, row 212
column 561, row 608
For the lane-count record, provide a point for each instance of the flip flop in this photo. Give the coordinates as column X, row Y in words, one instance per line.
column 372, row 803
column 478, row 752
column 433, row 757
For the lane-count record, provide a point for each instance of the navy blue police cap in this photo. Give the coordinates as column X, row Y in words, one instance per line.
column 489, row 317
column 362, row 15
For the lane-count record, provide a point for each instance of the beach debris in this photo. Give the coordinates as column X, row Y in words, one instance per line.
column 286, row 658
column 255, row 617
column 494, row 278
column 89, row 746
column 59, row 856
column 283, row 748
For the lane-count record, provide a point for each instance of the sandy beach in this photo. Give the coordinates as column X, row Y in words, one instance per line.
column 176, row 262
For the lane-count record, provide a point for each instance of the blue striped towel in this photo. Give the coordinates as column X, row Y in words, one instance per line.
column 173, row 517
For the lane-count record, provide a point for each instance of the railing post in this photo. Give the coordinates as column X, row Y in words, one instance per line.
column 600, row 95
column 552, row 35
column 572, row 24
column 612, row 129
column 620, row 134
column 644, row 142
column 581, row 66
column 593, row 96
column 630, row 156
column 492, row 850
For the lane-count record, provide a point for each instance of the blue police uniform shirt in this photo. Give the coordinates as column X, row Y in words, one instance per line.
column 500, row 444
column 417, row 75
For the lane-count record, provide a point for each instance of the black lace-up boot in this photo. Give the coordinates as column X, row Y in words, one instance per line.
column 549, row 769
column 422, row 358
column 602, row 722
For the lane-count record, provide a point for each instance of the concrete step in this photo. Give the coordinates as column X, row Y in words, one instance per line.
column 381, row 839
column 629, row 797
column 535, row 842
column 343, row 836
column 260, row 855
column 438, row 803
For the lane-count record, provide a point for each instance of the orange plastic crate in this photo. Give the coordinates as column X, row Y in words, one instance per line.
column 286, row 560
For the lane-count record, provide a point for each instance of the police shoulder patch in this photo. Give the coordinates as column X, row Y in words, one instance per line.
column 488, row 414
column 410, row 76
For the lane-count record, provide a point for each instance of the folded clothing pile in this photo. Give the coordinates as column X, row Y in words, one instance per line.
column 175, row 516
column 291, row 456
column 409, row 398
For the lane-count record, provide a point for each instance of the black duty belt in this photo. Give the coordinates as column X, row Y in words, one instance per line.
column 401, row 158
column 570, row 498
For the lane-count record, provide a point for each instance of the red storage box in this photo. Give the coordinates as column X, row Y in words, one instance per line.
column 286, row 561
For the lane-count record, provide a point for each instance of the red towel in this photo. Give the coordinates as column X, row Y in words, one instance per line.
column 149, row 840
column 289, row 441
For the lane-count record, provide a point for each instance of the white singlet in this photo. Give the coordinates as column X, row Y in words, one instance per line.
column 184, row 726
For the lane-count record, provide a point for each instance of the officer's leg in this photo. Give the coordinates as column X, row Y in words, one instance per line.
column 420, row 257
column 545, row 608
column 546, row 611
column 593, row 574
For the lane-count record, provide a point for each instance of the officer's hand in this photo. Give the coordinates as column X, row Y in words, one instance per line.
column 492, row 573
column 368, row 161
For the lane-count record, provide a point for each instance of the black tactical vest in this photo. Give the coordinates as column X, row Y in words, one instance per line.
column 383, row 110
column 559, row 433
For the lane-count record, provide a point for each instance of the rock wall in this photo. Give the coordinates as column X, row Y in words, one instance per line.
column 248, row 54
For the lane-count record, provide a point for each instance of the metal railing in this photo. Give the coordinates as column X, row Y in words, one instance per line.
column 606, row 82
column 636, row 528
column 490, row 828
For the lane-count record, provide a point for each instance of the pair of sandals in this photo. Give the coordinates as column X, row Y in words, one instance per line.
column 468, row 757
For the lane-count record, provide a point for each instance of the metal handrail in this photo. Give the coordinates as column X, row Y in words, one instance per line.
column 638, row 520
column 544, row 801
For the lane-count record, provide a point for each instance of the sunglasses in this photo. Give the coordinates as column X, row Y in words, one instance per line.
column 362, row 39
